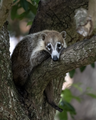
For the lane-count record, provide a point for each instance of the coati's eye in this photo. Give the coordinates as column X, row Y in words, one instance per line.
column 49, row 46
column 59, row 45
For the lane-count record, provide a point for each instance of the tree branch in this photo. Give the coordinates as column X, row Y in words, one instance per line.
column 4, row 11
column 10, row 106
column 77, row 55
column 59, row 15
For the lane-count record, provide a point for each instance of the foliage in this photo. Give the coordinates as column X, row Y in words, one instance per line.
column 72, row 72
column 29, row 9
column 67, row 97
column 66, row 106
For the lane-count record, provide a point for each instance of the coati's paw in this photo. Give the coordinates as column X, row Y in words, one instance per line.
column 84, row 25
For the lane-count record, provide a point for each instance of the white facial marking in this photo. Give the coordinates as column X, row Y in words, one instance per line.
column 49, row 48
column 65, row 45
column 55, row 53
column 59, row 44
column 54, row 49
column 60, row 47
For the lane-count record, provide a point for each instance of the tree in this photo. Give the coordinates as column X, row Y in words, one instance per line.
column 58, row 15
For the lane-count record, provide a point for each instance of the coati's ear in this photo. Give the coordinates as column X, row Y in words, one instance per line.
column 63, row 33
column 43, row 35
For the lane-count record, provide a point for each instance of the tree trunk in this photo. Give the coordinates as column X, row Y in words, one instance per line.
column 5, row 6
column 58, row 15
column 52, row 14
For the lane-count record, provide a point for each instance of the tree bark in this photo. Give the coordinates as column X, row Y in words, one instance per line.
column 58, row 15
column 77, row 55
column 4, row 11
column 10, row 106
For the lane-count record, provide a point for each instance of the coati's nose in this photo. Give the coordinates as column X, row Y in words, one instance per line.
column 55, row 58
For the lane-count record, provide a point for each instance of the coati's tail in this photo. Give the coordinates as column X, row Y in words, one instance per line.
column 55, row 106
column 49, row 96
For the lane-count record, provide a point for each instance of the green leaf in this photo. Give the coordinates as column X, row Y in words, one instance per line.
column 93, row 65
column 92, row 95
column 14, row 1
column 68, row 96
column 77, row 98
column 77, row 87
column 71, row 73
column 82, row 68
column 35, row 1
column 29, row 23
column 23, row 15
column 14, row 11
column 67, row 107
column 63, row 115
column 24, row 4
column 32, row 8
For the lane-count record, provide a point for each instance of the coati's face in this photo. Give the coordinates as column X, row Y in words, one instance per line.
column 54, row 43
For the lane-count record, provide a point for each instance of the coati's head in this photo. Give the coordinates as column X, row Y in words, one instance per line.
column 54, row 43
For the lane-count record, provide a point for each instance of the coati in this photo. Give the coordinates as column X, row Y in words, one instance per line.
column 29, row 47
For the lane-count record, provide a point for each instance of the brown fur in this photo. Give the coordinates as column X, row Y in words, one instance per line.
column 53, row 37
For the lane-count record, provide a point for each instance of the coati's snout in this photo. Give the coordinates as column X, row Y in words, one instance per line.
column 55, row 58
column 55, row 55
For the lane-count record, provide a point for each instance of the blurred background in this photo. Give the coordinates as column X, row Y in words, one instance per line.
column 78, row 97
column 20, row 19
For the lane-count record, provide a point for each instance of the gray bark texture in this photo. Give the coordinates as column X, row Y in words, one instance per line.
column 10, row 106
column 52, row 14
column 4, row 10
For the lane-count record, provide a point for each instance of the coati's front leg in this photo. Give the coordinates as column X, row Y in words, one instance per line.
column 49, row 93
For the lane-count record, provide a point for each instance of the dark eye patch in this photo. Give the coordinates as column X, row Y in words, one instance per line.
column 59, row 45
column 49, row 46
